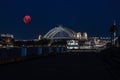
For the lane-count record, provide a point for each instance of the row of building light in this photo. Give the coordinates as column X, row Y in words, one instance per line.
column 82, row 36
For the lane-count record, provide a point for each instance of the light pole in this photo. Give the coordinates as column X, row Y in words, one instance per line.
column 113, row 30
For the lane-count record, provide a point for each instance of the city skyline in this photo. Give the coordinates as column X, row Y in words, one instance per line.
column 93, row 17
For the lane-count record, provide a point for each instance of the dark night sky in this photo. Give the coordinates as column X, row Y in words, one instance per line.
column 92, row 16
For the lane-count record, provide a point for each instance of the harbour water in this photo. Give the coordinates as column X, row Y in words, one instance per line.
column 103, row 65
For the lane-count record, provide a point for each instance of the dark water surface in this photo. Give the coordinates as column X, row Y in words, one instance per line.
column 92, row 66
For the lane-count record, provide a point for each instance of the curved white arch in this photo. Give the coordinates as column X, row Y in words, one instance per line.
column 54, row 31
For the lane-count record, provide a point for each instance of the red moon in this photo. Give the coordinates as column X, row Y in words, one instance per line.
column 27, row 19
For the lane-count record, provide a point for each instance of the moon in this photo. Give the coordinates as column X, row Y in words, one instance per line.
column 27, row 19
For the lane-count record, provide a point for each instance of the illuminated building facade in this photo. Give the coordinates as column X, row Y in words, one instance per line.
column 7, row 39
